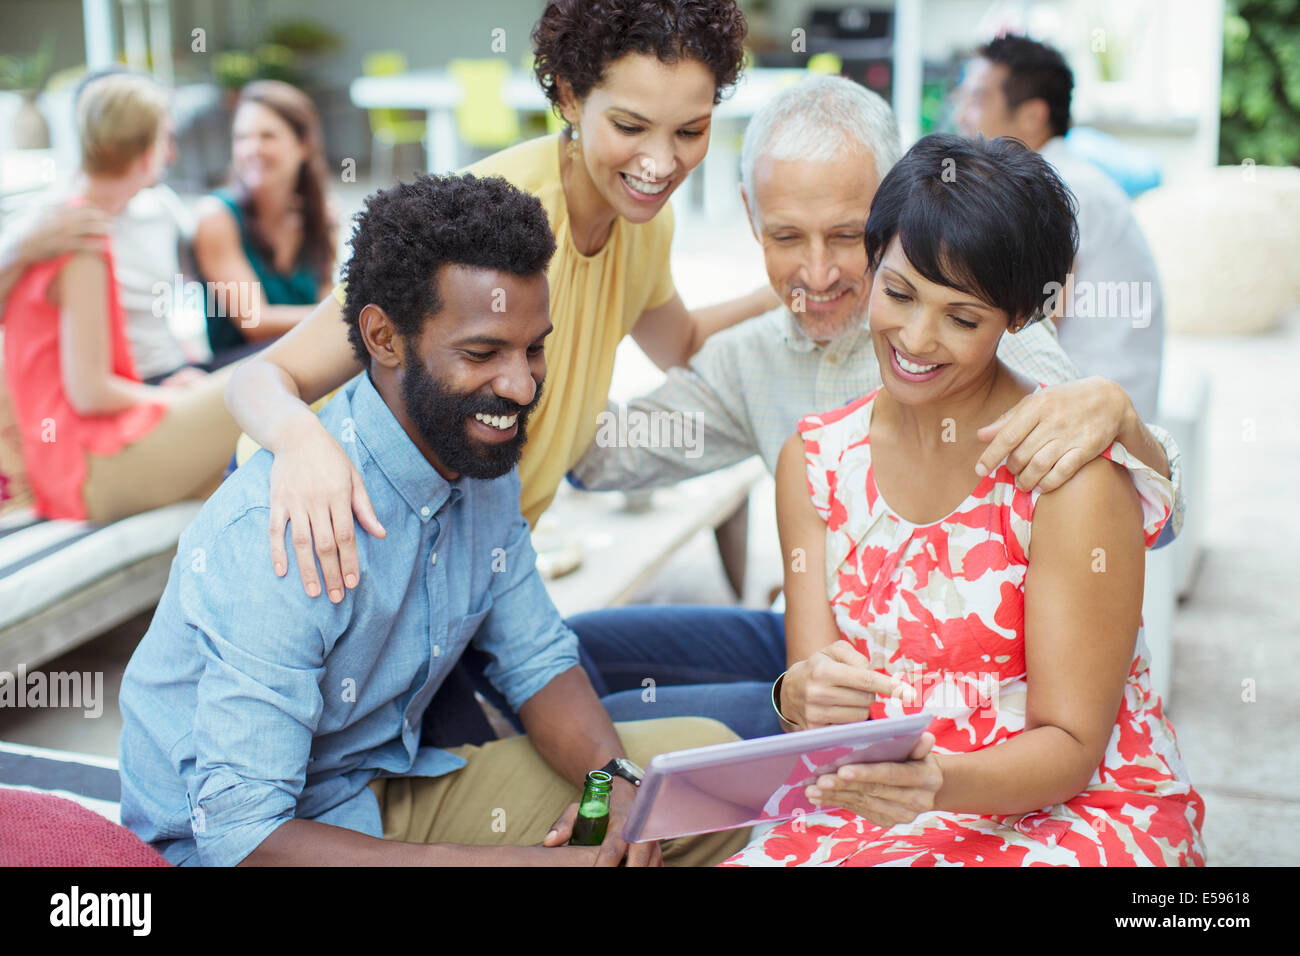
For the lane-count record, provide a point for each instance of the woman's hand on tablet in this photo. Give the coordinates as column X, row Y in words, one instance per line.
column 836, row 685
column 884, row 793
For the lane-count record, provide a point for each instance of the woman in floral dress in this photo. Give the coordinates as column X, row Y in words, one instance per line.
column 1049, row 745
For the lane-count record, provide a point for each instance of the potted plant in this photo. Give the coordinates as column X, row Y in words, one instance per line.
column 285, row 54
column 25, row 74
column 295, row 49
column 304, row 37
column 232, row 69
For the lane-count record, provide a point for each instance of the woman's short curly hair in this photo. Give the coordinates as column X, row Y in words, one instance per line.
column 575, row 40
column 407, row 232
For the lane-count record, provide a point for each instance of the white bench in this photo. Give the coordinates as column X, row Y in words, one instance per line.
column 87, row 779
column 64, row 582
column 622, row 549
column 1184, row 409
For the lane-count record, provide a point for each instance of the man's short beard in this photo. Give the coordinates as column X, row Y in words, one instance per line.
column 441, row 417
column 846, row 328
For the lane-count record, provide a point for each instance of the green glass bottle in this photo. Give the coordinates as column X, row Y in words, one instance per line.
column 593, row 810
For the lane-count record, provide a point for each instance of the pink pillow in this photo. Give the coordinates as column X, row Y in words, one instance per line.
column 40, row 829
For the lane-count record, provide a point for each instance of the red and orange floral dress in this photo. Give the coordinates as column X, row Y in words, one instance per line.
column 941, row 606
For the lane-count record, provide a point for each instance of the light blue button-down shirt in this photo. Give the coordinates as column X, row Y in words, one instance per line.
column 249, row 703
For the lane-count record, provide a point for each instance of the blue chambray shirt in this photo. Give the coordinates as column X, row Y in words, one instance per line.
column 248, row 703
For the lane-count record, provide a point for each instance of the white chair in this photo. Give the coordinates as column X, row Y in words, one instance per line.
column 1184, row 407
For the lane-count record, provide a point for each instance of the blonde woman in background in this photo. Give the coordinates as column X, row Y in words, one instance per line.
column 96, row 441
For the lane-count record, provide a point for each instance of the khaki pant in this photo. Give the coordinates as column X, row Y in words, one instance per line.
column 507, row 795
column 183, row 457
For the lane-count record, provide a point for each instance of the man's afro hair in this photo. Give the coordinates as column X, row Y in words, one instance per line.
column 405, row 233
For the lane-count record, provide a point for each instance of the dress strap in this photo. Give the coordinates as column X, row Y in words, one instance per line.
column 831, row 440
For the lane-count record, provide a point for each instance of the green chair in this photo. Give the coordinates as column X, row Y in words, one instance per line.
column 390, row 128
column 554, row 121
column 536, row 122
column 484, row 121
column 828, row 64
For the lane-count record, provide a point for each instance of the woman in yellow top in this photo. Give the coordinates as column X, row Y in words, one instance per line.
column 636, row 82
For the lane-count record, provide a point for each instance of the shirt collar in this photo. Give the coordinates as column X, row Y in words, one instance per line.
column 403, row 464
column 795, row 339
column 798, row 341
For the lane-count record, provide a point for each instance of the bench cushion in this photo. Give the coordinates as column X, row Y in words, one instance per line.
column 40, row 829
column 59, row 808
column 42, row 562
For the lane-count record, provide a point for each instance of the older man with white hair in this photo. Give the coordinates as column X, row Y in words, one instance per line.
column 811, row 162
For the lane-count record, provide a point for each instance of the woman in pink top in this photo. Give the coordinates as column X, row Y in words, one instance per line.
column 97, row 443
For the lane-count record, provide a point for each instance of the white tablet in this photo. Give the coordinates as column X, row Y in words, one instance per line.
column 739, row 784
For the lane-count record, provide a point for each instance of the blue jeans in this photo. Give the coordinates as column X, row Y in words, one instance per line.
column 686, row 660
column 646, row 661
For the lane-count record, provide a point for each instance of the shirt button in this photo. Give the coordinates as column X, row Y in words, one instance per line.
column 407, row 723
column 437, row 651
column 433, row 558
column 424, row 512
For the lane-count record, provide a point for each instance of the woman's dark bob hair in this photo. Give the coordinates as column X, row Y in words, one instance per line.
column 575, row 40
column 990, row 218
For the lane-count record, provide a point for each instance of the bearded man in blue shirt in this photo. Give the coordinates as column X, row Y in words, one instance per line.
column 264, row 727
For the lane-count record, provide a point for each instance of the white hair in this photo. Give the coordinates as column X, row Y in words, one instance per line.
column 814, row 120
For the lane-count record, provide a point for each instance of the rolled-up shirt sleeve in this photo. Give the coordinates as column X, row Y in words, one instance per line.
column 258, row 698
column 523, row 633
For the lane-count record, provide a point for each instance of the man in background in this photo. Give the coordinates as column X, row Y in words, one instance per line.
column 1111, row 319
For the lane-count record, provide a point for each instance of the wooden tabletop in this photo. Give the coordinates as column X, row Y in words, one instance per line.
column 621, row 550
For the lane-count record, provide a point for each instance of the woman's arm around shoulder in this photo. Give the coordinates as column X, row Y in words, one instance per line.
column 314, row 485
column 269, row 392
column 670, row 333
column 46, row 234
